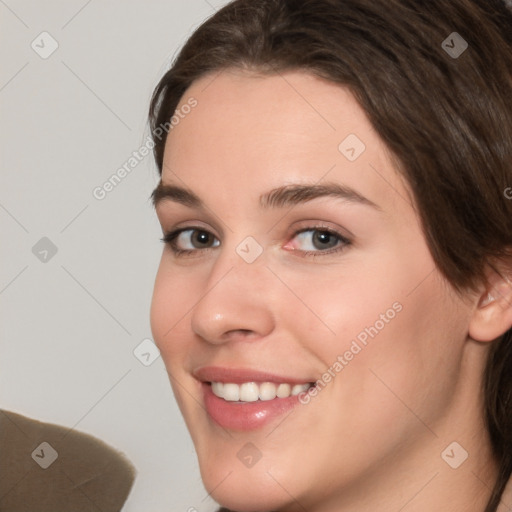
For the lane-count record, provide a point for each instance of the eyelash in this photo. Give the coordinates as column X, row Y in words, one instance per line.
column 170, row 240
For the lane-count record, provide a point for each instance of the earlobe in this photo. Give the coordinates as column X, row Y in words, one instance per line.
column 493, row 312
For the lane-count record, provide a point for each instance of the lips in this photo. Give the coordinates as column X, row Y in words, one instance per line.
column 241, row 399
column 240, row 375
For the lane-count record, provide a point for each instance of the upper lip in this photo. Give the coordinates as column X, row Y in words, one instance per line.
column 241, row 375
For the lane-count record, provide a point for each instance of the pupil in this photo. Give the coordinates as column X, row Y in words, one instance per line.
column 323, row 237
column 202, row 237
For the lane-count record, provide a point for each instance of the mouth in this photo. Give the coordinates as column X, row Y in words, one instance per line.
column 239, row 399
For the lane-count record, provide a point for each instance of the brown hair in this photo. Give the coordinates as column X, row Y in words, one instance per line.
column 446, row 119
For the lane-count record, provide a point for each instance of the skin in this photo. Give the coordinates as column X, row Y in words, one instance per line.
column 372, row 438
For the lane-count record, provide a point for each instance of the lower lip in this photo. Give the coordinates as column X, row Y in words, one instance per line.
column 245, row 415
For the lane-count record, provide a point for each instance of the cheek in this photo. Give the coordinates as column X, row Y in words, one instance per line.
column 354, row 301
column 407, row 369
column 390, row 333
column 420, row 356
column 171, row 301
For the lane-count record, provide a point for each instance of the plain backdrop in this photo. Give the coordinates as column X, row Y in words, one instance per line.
column 77, row 273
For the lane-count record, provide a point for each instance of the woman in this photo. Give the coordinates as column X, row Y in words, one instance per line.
column 334, row 300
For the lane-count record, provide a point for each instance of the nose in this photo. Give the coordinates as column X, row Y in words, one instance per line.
column 235, row 303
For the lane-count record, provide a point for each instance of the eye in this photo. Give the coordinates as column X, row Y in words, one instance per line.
column 311, row 241
column 317, row 240
column 188, row 240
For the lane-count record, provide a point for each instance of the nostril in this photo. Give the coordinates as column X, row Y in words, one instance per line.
column 238, row 334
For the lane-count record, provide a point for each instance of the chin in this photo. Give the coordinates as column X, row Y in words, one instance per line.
column 243, row 489
column 247, row 497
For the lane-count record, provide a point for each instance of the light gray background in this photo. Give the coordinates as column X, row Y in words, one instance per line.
column 69, row 325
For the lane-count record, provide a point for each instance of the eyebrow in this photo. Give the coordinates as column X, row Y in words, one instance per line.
column 286, row 195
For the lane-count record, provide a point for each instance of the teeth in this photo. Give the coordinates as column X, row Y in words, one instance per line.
column 249, row 392
column 252, row 391
column 217, row 388
column 298, row 388
column 231, row 392
column 284, row 390
column 267, row 391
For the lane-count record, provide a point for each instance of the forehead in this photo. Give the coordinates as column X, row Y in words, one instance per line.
column 252, row 109
column 250, row 131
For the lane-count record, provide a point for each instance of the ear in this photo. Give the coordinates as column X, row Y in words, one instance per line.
column 492, row 316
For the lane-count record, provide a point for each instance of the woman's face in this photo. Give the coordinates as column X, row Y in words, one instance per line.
column 307, row 264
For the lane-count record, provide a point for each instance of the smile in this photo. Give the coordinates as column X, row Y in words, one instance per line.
column 253, row 391
column 248, row 399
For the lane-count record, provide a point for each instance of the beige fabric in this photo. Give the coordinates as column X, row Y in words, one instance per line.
column 87, row 475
